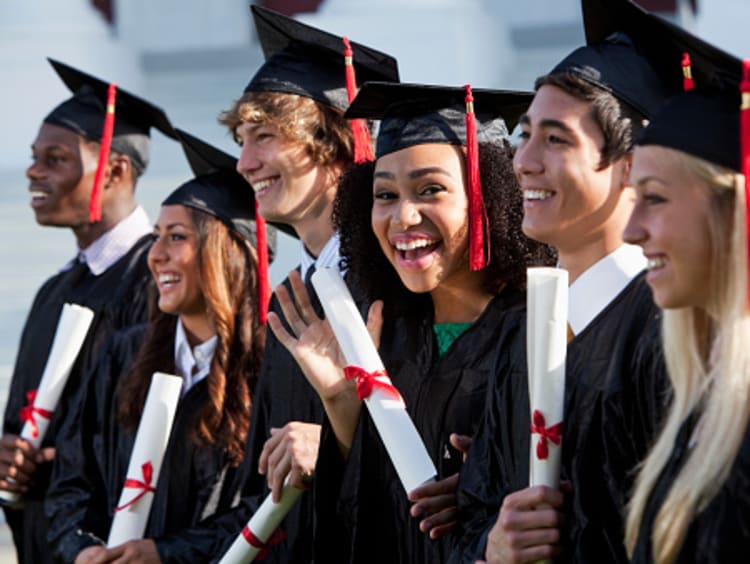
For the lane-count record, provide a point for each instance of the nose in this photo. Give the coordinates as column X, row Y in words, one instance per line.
column 635, row 232
column 35, row 171
column 406, row 213
column 158, row 252
column 527, row 159
column 248, row 161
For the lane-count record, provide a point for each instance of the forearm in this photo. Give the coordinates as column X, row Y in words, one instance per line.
column 343, row 411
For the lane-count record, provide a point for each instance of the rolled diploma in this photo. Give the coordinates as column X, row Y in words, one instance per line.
column 263, row 523
column 547, row 315
column 401, row 439
column 70, row 334
column 150, row 443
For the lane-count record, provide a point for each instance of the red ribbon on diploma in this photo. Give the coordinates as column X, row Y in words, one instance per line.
column 147, row 470
column 255, row 542
column 28, row 412
column 539, row 427
column 368, row 381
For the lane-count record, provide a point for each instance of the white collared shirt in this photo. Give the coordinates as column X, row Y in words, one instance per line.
column 115, row 243
column 329, row 257
column 193, row 364
column 601, row 283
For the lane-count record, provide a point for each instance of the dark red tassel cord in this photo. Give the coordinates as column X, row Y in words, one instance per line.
column 360, row 131
column 687, row 73
column 264, row 283
column 95, row 204
column 745, row 146
column 478, row 222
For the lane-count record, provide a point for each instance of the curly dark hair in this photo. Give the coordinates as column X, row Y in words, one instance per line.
column 511, row 252
column 228, row 270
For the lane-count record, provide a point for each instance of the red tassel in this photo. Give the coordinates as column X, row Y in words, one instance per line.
column 264, row 284
column 95, row 204
column 360, row 132
column 687, row 73
column 745, row 146
column 478, row 223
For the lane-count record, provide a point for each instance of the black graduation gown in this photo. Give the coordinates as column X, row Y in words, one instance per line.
column 282, row 395
column 616, row 390
column 721, row 532
column 361, row 507
column 118, row 297
column 94, row 452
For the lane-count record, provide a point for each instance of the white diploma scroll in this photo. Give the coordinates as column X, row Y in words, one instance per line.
column 396, row 429
column 131, row 515
column 258, row 533
column 71, row 332
column 547, row 323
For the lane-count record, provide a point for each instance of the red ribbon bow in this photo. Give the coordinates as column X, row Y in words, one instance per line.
column 254, row 541
column 147, row 470
column 553, row 433
column 28, row 412
column 368, row 381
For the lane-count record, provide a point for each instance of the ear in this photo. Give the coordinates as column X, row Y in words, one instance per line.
column 626, row 164
column 120, row 170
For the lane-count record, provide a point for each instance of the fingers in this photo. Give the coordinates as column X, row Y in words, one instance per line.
column 268, row 448
column 433, row 504
column 291, row 313
column 45, row 455
column 279, row 331
column 440, row 524
column 278, row 473
column 17, row 463
column 87, row 555
column 375, row 321
column 302, row 298
column 438, row 487
column 531, row 498
column 462, row 443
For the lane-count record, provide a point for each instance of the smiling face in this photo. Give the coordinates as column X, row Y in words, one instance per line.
column 419, row 215
column 568, row 200
column 671, row 221
column 174, row 260
column 289, row 187
column 61, row 177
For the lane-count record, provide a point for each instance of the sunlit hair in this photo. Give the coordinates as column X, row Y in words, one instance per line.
column 227, row 265
column 321, row 129
column 708, row 360
column 510, row 250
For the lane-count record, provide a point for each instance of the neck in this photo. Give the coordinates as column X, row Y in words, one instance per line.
column 316, row 228
column 578, row 260
column 198, row 328
column 460, row 303
column 87, row 233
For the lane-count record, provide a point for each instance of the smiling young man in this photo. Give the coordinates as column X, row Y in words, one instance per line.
column 573, row 165
column 109, row 274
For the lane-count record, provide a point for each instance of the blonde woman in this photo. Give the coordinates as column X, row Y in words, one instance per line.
column 692, row 498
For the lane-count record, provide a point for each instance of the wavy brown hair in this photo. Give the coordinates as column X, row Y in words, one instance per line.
column 325, row 134
column 228, row 270
column 510, row 251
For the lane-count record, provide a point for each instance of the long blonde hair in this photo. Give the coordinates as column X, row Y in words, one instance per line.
column 708, row 360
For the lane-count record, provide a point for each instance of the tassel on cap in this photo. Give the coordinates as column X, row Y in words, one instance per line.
column 360, row 131
column 264, row 283
column 745, row 145
column 95, row 204
column 478, row 222
column 688, row 83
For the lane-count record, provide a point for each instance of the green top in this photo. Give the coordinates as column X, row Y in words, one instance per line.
column 446, row 333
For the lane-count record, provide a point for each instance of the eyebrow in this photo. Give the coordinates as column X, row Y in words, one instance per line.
column 172, row 225
column 647, row 179
column 417, row 173
column 547, row 124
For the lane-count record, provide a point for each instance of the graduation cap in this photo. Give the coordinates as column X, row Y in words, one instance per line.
column 307, row 61
column 417, row 114
column 219, row 190
column 115, row 118
column 618, row 32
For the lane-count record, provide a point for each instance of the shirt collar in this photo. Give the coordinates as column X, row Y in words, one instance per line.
column 329, row 257
column 192, row 364
column 115, row 243
column 601, row 283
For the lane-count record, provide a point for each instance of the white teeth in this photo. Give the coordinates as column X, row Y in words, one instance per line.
column 415, row 244
column 168, row 278
column 260, row 184
column 537, row 194
column 655, row 262
column 36, row 194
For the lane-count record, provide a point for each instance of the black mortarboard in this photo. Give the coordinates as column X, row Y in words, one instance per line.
column 613, row 58
column 417, row 114
column 218, row 189
column 303, row 60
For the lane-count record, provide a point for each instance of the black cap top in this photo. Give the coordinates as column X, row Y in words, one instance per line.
column 614, row 61
column 417, row 114
column 84, row 113
column 304, row 60
column 218, row 189
column 704, row 125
